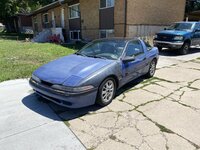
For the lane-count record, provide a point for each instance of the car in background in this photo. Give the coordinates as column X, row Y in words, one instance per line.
column 93, row 74
column 181, row 36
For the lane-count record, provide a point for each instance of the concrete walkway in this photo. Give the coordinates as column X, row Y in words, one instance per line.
column 26, row 123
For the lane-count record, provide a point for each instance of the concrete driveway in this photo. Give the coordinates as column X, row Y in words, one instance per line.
column 27, row 123
column 156, row 114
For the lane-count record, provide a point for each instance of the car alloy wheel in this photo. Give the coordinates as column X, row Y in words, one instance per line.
column 106, row 92
column 152, row 69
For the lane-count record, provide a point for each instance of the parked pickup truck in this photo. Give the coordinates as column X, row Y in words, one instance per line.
column 180, row 35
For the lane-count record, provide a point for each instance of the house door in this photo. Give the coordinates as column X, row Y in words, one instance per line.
column 35, row 24
column 53, row 19
column 62, row 18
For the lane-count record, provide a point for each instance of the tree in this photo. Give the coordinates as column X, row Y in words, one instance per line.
column 192, row 5
column 37, row 4
column 9, row 8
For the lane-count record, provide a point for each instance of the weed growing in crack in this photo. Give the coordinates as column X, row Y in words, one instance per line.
column 67, row 123
column 113, row 137
column 164, row 129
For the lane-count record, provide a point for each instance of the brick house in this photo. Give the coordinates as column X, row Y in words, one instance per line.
column 91, row 19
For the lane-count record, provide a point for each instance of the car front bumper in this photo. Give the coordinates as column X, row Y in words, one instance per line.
column 70, row 100
column 166, row 44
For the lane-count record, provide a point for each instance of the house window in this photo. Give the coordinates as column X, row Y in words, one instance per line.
column 107, row 3
column 45, row 17
column 74, row 11
column 75, row 35
column 106, row 33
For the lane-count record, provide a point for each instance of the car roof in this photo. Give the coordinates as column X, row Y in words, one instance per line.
column 125, row 39
column 188, row 22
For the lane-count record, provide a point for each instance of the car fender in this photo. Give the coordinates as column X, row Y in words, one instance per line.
column 188, row 37
column 98, row 77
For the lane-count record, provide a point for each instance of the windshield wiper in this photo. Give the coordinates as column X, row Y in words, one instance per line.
column 93, row 56
column 97, row 57
column 77, row 53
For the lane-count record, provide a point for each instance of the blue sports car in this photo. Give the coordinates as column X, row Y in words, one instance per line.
column 93, row 74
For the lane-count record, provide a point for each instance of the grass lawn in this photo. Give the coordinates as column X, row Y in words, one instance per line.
column 19, row 59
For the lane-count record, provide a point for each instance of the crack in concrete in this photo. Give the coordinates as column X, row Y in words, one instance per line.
column 143, row 137
column 166, row 141
column 172, row 132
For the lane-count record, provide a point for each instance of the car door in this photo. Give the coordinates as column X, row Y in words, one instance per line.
column 133, row 69
column 196, row 35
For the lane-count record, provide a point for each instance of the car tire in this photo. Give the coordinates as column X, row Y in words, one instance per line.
column 160, row 48
column 152, row 69
column 185, row 48
column 106, row 92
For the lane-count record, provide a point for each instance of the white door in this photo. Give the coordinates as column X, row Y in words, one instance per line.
column 62, row 18
column 53, row 19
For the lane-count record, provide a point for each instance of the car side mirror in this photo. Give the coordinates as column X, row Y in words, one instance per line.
column 128, row 59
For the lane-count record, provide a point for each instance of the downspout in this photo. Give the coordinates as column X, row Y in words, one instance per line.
column 125, row 17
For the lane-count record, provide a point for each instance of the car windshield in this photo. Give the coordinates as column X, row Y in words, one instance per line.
column 181, row 26
column 105, row 49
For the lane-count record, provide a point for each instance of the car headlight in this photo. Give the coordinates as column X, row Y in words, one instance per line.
column 35, row 78
column 180, row 38
column 73, row 89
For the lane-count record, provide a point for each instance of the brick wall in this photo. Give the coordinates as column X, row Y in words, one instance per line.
column 146, row 17
column 90, row 18
column 155, row 11
column 119, row 18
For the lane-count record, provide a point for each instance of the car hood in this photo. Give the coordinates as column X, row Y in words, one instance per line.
column 174, row 32
column 70, row 70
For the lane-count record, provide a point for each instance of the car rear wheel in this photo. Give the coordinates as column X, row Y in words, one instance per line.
column 152, row 69
column 185, row 49
column 106, row 92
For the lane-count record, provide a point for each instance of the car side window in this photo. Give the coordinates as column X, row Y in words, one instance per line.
column 197, row 26
column 149, row 47
column 134, row 48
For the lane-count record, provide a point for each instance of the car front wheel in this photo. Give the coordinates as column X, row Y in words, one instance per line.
column 185, row 49
column 106, row 92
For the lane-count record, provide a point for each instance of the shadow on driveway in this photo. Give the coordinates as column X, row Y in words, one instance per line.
column 170, row 52
column 39, row 104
